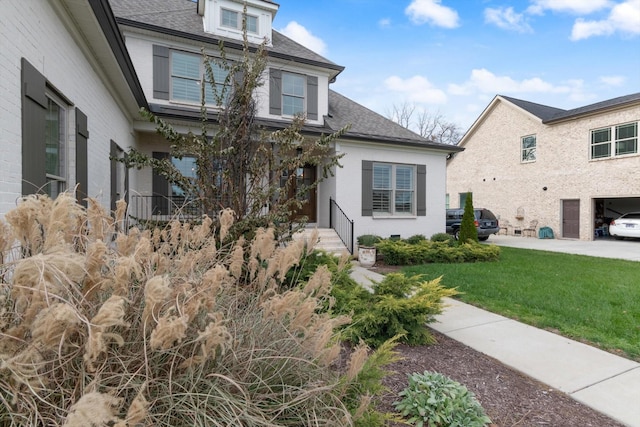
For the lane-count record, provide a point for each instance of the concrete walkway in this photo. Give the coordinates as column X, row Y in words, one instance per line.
column 607, row 383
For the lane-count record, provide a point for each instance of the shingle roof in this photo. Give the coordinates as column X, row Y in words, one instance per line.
column 367, row 124
column 180, row 18
column 543, row 112
column 550, row 114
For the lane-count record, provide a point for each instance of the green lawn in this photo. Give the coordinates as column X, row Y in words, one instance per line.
column 594, row 300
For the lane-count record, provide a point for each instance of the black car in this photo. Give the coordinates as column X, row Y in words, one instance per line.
column 486, row 222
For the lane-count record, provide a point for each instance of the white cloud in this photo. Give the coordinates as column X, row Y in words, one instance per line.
column 578, row 7
column 300, row 34
column 624, row 18
column 432, row 12
column 613, row 80
column 416, row 89
column 484, row 81
column 507, row 19
column 384, row 23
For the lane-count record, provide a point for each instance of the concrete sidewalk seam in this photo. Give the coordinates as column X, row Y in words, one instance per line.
column 604, row 380
column 473, row 326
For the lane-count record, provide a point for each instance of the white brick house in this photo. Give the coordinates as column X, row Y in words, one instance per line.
column 75, row 73
column 572, row 170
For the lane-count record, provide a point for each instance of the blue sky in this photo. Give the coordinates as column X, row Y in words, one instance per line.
column 451, row 57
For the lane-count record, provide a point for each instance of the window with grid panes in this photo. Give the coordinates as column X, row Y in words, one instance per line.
column 614, row 141
column 393, row 189
column 188, row 75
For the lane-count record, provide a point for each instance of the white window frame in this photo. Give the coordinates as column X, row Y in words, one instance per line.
column 528, row 145
column 199, row 81
column 612, row 141
column 237, row 25
column 393, row 191
column 287, row 108
column 63, row 145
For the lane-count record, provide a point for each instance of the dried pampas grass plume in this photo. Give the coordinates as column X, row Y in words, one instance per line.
column 156, row 293
column 26, row 221
column 264, row 244
column 226, row 221
column 170, row 329
column 93, row 409
column 53, row 325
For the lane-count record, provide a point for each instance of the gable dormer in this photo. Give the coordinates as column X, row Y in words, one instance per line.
column 224, row 18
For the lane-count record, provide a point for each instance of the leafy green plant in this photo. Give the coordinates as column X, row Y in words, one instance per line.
column 398, row 305
column 416, row 238
column 396, row 252
column 434, row 400
column 443, row 237
column 468, row 231
column 368, row 240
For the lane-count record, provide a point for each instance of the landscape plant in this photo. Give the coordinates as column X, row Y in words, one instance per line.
column 100, row 325
column 468, row 231
column 396, row 306
column 435, row 400
column 399, row 252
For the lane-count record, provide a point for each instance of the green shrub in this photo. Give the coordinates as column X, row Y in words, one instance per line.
column 468, row 230
column 368, row 240
column 398, row 305
column 443, row 237
column 402, row 253
column 434, row 400
column 416, row 238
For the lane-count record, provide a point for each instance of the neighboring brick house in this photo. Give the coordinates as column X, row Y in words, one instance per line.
column 571, row 170
column 76, row 73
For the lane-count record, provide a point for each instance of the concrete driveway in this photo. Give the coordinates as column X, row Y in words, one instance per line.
column 604, row 248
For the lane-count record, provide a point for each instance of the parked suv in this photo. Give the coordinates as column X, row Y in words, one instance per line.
column 486, row 222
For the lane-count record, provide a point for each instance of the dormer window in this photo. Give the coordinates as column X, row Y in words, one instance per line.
column 224, row 18
column 232, row 19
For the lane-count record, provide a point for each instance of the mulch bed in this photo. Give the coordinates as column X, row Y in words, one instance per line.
column 509, row 397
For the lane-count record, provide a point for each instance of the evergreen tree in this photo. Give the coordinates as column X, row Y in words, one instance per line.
column 468, row 230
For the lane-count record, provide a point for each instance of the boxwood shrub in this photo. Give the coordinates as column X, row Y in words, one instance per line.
column 398, row 252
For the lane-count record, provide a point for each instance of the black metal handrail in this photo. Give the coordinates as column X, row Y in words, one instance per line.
column 341, row 223
column 164, row 208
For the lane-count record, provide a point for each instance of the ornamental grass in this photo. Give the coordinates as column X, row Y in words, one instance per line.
column 106, row 325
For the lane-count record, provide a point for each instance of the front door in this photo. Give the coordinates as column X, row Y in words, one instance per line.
column 571, row 219
column 306, row 176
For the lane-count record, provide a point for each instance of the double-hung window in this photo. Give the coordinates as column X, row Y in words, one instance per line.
column 393, row 189
column 55, row 145
column 614, row 141
column 188, row 75
column 528, row 149
column 231, row 19
column 293, row 94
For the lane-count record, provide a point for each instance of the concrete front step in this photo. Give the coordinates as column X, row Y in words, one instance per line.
column 329, row 240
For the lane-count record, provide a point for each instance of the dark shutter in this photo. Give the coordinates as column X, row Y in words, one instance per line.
column 161, row 72
column 421, row 189
column 113, row 154
column 34, row 108
column 312, row 98
column 275, row 92
column 160, row 189
column 82, row 166
column 367, row 188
